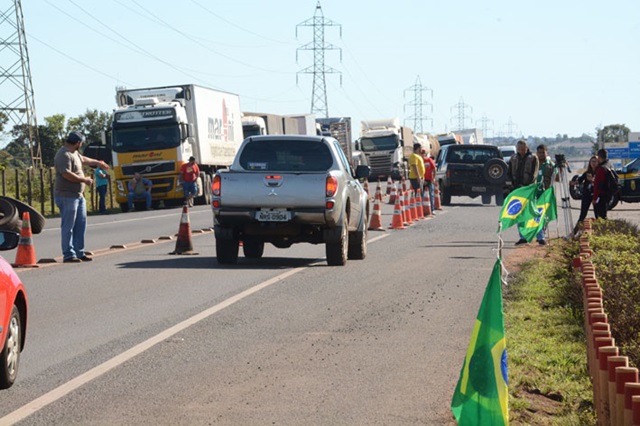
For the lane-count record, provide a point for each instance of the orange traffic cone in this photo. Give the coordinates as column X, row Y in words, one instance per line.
column 436, row 197
column 419, row 211
column 397, row 222
column 426, row 203
column 389, row 185
column 183, row 243
column 26, row 253
column 393, row 195
column 407, row 209
column 378, row 192
column 376, row 217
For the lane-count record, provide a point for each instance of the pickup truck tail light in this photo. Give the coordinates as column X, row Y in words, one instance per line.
column 216, row 186
column 331, row 188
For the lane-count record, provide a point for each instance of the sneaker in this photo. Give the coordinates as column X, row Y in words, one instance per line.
column 72, row 260
column 542, row 242
column 86, row 258
column 521, row 241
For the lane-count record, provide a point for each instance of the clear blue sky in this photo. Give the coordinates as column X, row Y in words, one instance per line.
column 549, row 66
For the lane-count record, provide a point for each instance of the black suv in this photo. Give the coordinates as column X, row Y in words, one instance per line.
column 471, row 170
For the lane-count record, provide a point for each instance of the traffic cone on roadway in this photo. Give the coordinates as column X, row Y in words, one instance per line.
column 183, row 243
column 389, row 185
column 426, row 203
column 397, row 222
column 419, row 211
column 407, row 209
column 393, row 195
column 378, row 192
column 436, row 196
column 26, row 253
column 376, row 217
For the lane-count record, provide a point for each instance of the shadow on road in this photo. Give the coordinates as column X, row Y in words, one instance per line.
column 209, row 262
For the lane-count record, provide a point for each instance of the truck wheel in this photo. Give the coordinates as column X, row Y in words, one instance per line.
column 10, row 355
column 124, row 207
column 445, row 195
column 357, row 245
column 202, row 199
column 486, row 199
column 337, row 252
column 36, row 220
column 495, row 171
column 207, row 189
column 227, row 251
column 253, row 249
column 8, row 215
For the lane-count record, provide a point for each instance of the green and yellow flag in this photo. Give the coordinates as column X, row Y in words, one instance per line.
column 548, row 210
column 481, row 396
column 519, row 206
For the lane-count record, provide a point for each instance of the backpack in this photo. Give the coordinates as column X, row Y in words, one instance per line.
column 613, row 182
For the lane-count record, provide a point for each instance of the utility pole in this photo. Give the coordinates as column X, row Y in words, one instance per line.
column 16, row 89
column 417, row 105
column 319, row 105
column 461, row 115
column 511, row 128
column 484, row 125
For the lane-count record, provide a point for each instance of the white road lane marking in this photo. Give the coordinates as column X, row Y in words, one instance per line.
column 73, row 384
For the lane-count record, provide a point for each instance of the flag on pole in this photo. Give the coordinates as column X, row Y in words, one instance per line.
column 519, row 206
column 546, row 206
column 481, row 396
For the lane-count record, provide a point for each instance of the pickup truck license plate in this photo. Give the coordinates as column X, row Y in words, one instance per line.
column 273, row 216
column 478, row 189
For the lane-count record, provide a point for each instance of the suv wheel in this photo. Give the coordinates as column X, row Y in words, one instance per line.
column 337, row 252
column 495, row 171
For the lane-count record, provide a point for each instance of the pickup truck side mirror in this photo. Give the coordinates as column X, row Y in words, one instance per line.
column 363, row 172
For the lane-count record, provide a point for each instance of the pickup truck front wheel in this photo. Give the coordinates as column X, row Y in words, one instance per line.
column 337, row 251
column 227, row 251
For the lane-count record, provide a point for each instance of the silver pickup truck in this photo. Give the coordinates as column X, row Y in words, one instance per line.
column 290, row 189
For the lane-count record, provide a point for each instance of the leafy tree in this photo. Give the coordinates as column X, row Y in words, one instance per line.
column 52, row 136
column 92, row 124
column 3, row 121
column 611, row 133
column 19, row 147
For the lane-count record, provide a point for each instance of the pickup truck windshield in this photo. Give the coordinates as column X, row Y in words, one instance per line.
column 469, row 155
column 145, row 137
column 286, row 156
column 382, row 143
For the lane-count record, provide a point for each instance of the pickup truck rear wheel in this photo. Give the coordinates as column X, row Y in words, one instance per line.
column 445, row 195
column 227, row 251
column 337, row 252
column 499, row 199
column 253, row 249
column 486, row 199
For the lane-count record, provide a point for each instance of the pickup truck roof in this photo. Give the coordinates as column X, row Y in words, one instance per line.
column 478, row 154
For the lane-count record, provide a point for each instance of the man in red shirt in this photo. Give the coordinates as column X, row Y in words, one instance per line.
column 429, row 177
column 189, row 173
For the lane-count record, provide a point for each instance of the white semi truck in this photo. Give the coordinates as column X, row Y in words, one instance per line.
column 387, row 147
column 155, row 130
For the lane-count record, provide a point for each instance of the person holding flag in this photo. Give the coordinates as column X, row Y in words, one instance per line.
column 544, row 180
column 523, row 170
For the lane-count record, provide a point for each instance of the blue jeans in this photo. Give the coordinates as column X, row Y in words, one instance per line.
column 190, row 189
column 102, row 193
column 132, row 196
column 73, row 225
column 432, row 191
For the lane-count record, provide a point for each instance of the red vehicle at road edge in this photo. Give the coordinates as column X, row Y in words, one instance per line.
column 13, row 314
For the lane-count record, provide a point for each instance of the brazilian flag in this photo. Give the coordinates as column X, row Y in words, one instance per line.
column 519, row 206
column 481, row 395
column 548, row 210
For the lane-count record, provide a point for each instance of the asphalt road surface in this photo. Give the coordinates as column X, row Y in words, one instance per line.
column 139, row 336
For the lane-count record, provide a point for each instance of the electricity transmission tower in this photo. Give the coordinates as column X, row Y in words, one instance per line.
column 461, row 117
column 16, row 90
column 484, row 125
column 511, row 128
column 319, row 105
column 417, row 105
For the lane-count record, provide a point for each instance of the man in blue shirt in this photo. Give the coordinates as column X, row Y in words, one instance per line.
column 139, row 188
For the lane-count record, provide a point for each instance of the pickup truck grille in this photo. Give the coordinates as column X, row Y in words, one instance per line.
column 148, row 168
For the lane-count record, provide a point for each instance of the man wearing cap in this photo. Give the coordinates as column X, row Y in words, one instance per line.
column 416, row 168
column 69, row 196
column 189, row 173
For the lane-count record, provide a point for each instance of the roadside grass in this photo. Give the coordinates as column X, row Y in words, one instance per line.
column 548, row 378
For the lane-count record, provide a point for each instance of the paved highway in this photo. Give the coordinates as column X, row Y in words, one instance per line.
column 139, row 336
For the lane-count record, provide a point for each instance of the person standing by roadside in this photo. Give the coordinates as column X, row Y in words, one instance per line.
column 586, row 180
column 68, row 196
column 522, row 171
column 546, row 173
column 102, row 184
column 601, row 192
column 416, row 168
column 189, row 173
column 429, row 178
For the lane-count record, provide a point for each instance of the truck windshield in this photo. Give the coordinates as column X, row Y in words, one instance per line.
column 145, row 137
column 250, row 130
column 382, row 143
